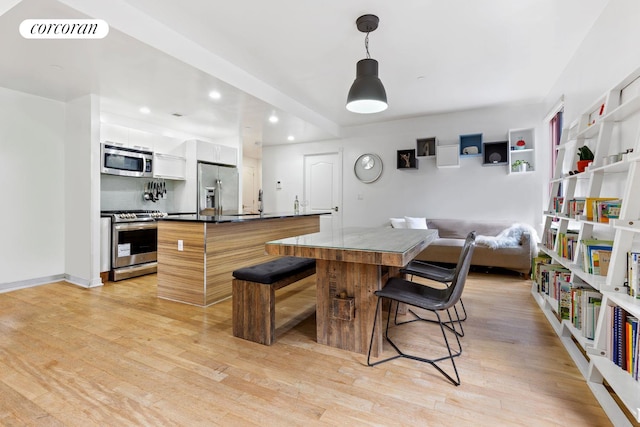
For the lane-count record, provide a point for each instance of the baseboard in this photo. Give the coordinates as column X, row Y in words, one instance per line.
column 30, row 283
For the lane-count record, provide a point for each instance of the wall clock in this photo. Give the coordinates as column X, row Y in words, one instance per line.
column 368, row 167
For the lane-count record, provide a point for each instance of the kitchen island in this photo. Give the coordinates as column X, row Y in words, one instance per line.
column 198, row 253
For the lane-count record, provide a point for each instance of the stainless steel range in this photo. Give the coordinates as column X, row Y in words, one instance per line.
column 134, row 242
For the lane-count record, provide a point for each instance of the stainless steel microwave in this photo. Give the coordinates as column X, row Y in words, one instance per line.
column 126, row 161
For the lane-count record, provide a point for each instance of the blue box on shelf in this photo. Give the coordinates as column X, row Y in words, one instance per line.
column 471, row 145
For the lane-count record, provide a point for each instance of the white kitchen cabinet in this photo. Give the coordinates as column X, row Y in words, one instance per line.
column 121, row 136
column 215, row 153
column 141, row 140
column 168, row 166
column 114, row 135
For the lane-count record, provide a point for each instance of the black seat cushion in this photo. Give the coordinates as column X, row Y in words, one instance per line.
column 273, row 271
column 430, row 271
column 415, row 294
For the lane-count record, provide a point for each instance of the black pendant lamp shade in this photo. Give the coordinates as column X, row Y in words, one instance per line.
column 367, row 94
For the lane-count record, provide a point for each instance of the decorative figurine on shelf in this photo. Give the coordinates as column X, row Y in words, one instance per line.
column 586, row 157
column 407, row 160
column 521, row 144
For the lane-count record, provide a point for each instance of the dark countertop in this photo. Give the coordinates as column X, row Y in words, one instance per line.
column 236, row 218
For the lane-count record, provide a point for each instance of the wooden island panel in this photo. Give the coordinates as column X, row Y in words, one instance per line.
column 201, row 273
column 181, row 273
column 236, row 245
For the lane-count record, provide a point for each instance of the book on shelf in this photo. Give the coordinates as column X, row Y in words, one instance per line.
column 566, row 246
column 565, row 297
column 550, row 277
column 576, row 207
column 631, row 333
column 607, row 210
column 588, row 248
column 633, row 274
column 557, row 204
column 590, row 304
column 591, row 205
column 550, row 238
column 536, row 261
column 604, row 259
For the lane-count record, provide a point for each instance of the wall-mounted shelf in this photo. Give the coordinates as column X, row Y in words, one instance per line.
column 495, row 153
column 527, row 154
column 448, row 156
column 471, row 145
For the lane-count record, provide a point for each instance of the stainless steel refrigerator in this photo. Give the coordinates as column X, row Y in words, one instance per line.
column 218, row 188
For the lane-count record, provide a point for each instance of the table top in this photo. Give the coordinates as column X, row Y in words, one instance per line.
column 382, row 246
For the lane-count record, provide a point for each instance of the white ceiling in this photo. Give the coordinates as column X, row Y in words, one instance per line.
column 295, row 58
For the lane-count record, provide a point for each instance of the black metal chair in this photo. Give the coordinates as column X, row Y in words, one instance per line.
column 439, row 274
column 427, row 298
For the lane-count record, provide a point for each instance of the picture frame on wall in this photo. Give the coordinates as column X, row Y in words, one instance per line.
column 407, row 159
column 426, row 147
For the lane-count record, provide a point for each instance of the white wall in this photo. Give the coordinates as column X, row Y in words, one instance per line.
column 607, row 55
column 472, row 191
column 32, row 188
column 82, row 196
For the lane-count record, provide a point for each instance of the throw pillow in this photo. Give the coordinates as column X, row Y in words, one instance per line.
column 398, row 222
column 420, row 223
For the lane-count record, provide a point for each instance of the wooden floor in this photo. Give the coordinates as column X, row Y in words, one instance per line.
column 118, row 356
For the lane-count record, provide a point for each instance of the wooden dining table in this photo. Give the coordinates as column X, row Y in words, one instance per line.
column 351, row 264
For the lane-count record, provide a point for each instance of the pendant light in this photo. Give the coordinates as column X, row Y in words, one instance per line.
column 367, row 94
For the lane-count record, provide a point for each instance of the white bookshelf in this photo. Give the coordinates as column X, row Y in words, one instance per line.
column 609, row 127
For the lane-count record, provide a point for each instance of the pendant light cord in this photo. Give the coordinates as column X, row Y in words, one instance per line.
column 366, row 45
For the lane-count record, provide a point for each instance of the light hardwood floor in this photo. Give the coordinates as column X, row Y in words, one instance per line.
column 119, row 356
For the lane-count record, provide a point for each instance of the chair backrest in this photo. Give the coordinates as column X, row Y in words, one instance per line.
column 462, row 270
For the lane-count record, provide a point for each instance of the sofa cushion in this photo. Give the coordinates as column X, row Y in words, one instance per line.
column 416, row 223
column 398, row 222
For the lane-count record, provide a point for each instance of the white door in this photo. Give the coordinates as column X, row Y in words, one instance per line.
column 248, row 190
column 323, row 188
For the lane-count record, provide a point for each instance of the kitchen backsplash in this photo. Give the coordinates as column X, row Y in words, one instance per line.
column 127, row 193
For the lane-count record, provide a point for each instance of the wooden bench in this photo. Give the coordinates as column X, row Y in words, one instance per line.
column 254, row 297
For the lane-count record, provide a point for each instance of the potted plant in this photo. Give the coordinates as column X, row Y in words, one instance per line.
column 520, row 166
column 586, row 157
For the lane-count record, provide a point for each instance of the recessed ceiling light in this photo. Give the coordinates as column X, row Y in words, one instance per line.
column 291, row 138
column 273, row 118
column 145, row 110
column 214, row 94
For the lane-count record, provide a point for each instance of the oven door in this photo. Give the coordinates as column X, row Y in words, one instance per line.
column 134, row 243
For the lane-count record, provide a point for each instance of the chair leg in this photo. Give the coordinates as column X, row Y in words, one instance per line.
column 444, row 326
column 451, row 324
column 385, row 334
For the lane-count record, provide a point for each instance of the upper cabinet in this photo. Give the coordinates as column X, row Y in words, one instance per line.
column 168, row 166
column 121, row 136
column 215, row 153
